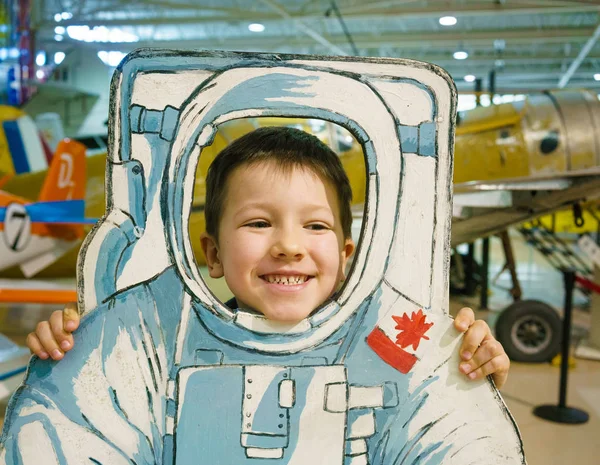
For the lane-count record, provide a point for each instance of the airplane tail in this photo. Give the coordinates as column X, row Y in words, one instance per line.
column 66, row 176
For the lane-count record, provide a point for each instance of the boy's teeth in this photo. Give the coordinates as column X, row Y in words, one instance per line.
column 286, row 280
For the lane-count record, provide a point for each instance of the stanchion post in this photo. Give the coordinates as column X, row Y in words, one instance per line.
column 561, row 413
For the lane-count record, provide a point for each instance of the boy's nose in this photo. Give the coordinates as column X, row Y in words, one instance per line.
column 288, row 246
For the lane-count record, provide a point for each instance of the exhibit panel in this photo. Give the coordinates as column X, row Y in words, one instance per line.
column 162, row 372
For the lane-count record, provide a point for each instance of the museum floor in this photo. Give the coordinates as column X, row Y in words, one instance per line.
column 528, row 385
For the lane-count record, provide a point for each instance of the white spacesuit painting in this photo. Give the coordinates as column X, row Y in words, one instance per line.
column 163, row 373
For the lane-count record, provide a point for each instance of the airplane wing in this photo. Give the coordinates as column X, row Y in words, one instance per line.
column 59, row 212
column 482, row 208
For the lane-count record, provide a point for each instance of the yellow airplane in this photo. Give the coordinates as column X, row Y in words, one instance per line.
column 513, row 162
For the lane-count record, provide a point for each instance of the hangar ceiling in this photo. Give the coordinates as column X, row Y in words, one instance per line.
column 531, row 44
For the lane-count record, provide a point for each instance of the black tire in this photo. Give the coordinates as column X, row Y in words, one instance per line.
column 530, row 331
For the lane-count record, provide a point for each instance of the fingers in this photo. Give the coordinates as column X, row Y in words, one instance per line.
column 464, row 319
column 35, row 346
column 71, row 317
column 62, row 338
column 44, row 335
column 489, row 359
column 477, row 334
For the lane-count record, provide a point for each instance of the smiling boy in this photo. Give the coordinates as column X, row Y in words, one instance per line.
column 278, row 224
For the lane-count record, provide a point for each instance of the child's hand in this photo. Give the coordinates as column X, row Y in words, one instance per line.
column 53, row 338
column 480, row 352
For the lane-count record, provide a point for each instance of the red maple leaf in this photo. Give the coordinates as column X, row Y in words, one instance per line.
column 412, row 329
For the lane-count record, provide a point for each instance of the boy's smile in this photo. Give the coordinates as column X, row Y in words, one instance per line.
column 280, row 247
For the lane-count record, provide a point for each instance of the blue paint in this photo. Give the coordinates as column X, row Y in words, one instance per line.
column 409, row 137
column 62, row 211
column 16, row 147
column 427, row 139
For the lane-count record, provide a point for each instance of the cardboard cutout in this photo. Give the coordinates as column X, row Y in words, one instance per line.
column 164, row 373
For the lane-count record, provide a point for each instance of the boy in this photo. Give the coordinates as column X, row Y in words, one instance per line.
column 258, row 259
column 144, row 388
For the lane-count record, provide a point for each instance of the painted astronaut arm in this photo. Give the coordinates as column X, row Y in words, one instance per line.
column 469, row 416
column 90, row 406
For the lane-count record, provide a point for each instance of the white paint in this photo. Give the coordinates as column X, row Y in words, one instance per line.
column 182, row 329
column 145, row 85
column 363, row 426
column 365, row 397
column 255, row 453
column 357, row 447
column 320, row 433
column 410, row 261
column 43, row 452
column 412, row 105
column 336, row 396
column 287, row 393
column 260, row 324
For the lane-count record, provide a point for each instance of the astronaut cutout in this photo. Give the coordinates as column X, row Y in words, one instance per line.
column 163, row 373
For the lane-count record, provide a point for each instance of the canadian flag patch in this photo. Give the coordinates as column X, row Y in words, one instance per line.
column 401, row 340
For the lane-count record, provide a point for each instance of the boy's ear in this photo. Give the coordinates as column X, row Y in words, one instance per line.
column 211, row 253
column 347, row 252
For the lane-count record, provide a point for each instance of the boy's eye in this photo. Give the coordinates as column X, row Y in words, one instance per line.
column 317, row 227
column 258, row 224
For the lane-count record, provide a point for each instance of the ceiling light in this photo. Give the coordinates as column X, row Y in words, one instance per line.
column 59, row 57
column 58, row 37
column 57, row 17
column 448, row 20
column 66, row 15
column 460, row 55
column 112, row 58
column 597, row 77
column 469, row 78
column 40, row 74
column 40, row 58
column 256, row 27
column 59, row 30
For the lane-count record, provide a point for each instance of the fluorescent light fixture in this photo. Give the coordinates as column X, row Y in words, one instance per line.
column 40, row 58
column 597, row 77
column 59, row 30
column 460, row 55
column 448, row 20
column 256, row 27
column 100, row 34
column 59, row 57
column 58, row 37
column 40, row 74
column 112, row 58
column 469, row 78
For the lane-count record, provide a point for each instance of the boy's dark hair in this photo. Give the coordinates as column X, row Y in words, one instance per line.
column 288, row 148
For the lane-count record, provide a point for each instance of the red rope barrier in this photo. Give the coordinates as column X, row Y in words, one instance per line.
column 591, row 285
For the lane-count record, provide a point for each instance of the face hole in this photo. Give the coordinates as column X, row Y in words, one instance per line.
column 338, row 138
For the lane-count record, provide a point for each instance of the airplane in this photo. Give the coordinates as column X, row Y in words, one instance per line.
column 35, row 233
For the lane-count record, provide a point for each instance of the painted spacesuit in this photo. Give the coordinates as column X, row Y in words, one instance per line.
column 162, row 373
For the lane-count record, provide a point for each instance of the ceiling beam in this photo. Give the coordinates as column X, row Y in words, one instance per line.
column 305, row 29
column 582, row 54
column 366, row 12
column 397, row 40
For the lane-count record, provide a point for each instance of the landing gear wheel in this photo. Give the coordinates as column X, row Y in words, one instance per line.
column 530, row 331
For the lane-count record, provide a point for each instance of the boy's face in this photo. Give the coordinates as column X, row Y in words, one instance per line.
column 280, row 245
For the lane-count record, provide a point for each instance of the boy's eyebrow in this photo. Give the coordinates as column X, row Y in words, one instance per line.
column 265, row 206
